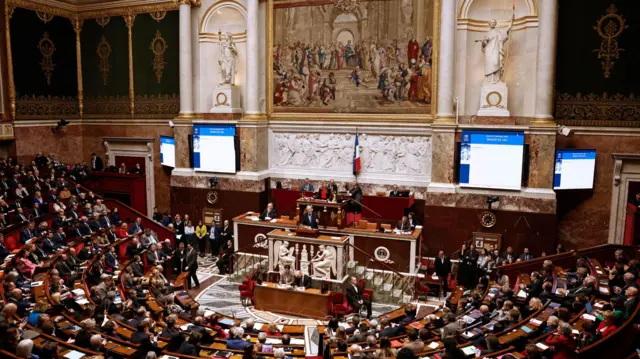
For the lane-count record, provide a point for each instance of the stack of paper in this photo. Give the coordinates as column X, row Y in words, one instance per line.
column 297, row 341
column 433, row 345
column 535, row 322
column 542, row 346
column 588, row 317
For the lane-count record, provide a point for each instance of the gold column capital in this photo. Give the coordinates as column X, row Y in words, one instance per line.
column 129, row 19
column 194, row 3
column 77, row 24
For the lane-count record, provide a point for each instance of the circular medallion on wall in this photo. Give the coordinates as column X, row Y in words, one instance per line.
column 212, row 197
column 382, row 254
column 488, row 219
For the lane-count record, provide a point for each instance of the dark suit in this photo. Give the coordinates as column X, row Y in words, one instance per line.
column 133, row 250
column 394, row 194
column 187, row 348
column 111, row 260
column 104, row 222
column 305, row 281
column 310, row 220
column 26, row 235
column 442, row 270
column 534, row 288
column 403, row 226
column 191, row 264
column 354, row 296
column 96, row 164
column 356, row 196
column 65, row 271
column 145, row 342
column 20, row 218
column 271, row 214
column 57, row 223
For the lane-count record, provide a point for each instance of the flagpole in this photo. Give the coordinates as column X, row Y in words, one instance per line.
column 355, row 149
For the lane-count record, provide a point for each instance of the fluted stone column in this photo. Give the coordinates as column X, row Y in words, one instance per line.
column 186, row 68
column 253, row 64
column 546, row 62
column 446, row 62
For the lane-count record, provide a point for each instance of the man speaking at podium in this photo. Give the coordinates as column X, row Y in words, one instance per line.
column 309, row 218
column 269, row 213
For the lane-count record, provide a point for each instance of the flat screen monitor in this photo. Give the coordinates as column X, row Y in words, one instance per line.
column 214, row 148
column 491, row 159
column 574, row 169
column 167, row 151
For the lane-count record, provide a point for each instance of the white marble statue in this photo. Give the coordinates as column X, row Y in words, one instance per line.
column 228, row 58
column 324, row 263
column 285, row 255
column 493, row 49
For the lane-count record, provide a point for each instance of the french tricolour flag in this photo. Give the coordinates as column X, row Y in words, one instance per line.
column 356, row 157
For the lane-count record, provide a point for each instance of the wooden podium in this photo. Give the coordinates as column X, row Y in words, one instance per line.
column 330, row 214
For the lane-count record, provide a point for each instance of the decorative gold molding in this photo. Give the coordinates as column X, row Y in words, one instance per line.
column 104, row 51
column 158, row 15
column 8, row 12
column 169, row 5
column 609, row 28
column 77, row 27
column 158, row 47
column 45, row 17
column 6, row 131
column 103, row 21
column 129, row 19
column 598, row 110
column 47, row 48
column 99, row 106
column 157, row 105
column 32, row 106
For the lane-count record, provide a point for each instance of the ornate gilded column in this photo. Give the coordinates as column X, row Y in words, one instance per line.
column 8, row 11
column 251, row 105
column 129, row 20
column 77, row 27
column 546, row 63
column 446, row 62
column 186, row 66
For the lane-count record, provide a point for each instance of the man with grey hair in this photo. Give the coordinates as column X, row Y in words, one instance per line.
column 248, row 326
column 97, row 343
column 106, row 285
column 24, row 348
column 279, row 353
column 302, row 280
column 262, row 338
column 235, row 339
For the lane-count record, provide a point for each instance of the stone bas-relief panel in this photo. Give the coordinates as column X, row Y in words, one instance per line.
column 379, row 154
column 365, row 56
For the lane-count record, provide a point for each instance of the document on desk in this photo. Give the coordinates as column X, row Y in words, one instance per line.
column 74, row 355
column 433, row 345
column 542, row 346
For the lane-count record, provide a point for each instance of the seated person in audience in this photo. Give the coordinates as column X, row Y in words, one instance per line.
column 309, row 218
column 526, row 255
column 510, row 256
column 74, row 231
column 586, row 289
column 21, row 301
column 415, row 343
column 404, row 225
column 98, row 343
column 24, row 265
column 324, row 192
column 608, row 325
column 3, row 220
column 552, row 324
column 199, row 326
column 576, row 279
column 302, row 280
column 144, row 336
column 389, row 330
column 123, row 230
column 107, row 284
column 248, row 326
column 59, row 221
column 136, row 227
column 269, row 212
column 546, row 294
column 110, row 328
column 534, row 305
column 273, row 331
column 94, row 222
column 588, row 334
column 492, row 344
column 189, row 347
column 111, row 259
column 355, row 299
column 235, row 339
column 410, row 312
column 172, row 332
column 386, row 350
column 148, row 238
column 65, row 271
column 36, row 211
column 332, row 328
column 562, row 342
column 534, row 288
column 630, row 300
column 85, row 227
column 83, row 337
column 154, row 256
column 134, row 248
column 27, row 233
column 359, row 336
column 214, row 323
column 629, row 282
column 513, row 318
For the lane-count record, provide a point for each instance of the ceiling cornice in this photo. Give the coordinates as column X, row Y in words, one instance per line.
column 97, row 9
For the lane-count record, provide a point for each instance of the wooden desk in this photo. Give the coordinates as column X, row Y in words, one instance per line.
column 329, row 213
column 309, row 303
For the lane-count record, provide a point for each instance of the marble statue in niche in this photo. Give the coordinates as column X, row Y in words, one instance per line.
column 324, row 263
column 379, row 153
column 228, row 58
column 493, row 48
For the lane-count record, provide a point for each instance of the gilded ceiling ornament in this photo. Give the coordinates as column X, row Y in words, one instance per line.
column 45, row 17
column 104, row 51
column 158, row 15
column 158, row 47
column 47, row 48
column 346, row 5
column 609, row 27
column 10, row 10
column 103, row 21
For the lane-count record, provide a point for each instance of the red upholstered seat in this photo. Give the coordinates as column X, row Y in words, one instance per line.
column 421, row 290
column 366, row 293
column 339, row 305
column 246, row 292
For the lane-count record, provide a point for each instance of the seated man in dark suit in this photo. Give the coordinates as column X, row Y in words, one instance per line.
column 20, row 217
column 134, row 248
column 269, row 213
column 354, row 297
column 309, row 218
column 198, row 326
column 404, row 225
column 302, row 280
column 147, row 343
column 28, row 233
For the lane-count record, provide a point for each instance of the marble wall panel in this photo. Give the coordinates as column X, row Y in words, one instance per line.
column 443, row 157
column 542, row 150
